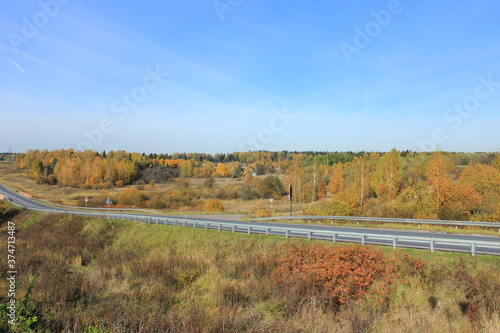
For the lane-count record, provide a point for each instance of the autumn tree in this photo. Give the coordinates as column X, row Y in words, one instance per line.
column 221, row 170
column 207, row 169
column 188, row 168
column 485, row 180
column 496, row 161
column 356, row 190
column 387, row 178
column 314, row 180
column 296, row 177
column 439, row 169
column 234, row 169
column 337, row 178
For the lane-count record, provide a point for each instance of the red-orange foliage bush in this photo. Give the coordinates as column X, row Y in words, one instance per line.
column 343, row 273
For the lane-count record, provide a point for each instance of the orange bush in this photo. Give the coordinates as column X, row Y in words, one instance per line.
column 348, row 272
column 214, row 205
column 263, row 213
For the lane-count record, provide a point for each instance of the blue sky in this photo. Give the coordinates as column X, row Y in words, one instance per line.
column 231, row 75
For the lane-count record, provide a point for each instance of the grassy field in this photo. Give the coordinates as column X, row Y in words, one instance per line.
column 79, row 274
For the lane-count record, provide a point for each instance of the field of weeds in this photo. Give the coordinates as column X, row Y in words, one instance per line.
column 78, row 274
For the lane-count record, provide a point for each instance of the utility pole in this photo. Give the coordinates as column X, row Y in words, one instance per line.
column 290, row 195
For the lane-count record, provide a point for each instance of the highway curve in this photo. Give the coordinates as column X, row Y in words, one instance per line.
column 33, row 204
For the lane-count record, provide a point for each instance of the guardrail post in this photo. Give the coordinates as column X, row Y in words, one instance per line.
column 184, row 223
column 332, row 221
column 218, row 227
column 157, row 221
column 206, row 225
column 456, row 227
column 310, row 220
column 267, row 231
column 357, row 222
column 286, row 233
column 394, row 241
column 194, row 224
column 309, row 234
column 363, row 237
column 419, row 226
column 334, row 237
column 473, row 249
column 233, row 228
column 432, row 245
column 249, row 230
column 386, row 224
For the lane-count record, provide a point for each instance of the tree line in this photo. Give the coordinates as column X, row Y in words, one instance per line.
column 444, row 185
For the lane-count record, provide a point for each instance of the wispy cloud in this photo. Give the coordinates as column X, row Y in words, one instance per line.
column 17, row 66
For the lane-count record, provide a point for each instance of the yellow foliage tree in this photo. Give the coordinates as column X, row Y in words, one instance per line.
column 221, row 170
column 337, row 178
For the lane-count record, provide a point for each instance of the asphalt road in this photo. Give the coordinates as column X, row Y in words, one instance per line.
column 24, row 202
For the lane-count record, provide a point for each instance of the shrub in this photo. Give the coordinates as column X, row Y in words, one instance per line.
column 335, row 274
column 246, row 192
column 209, row 182
column 182, row 183
column 150, row 186
column 157, row 201
column 213, row 205
column 131, row 197
column 180, row 198
column 269, row 187
column 263, row 213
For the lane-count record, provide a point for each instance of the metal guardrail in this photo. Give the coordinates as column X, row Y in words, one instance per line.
column 432, row 243
column 385, row 220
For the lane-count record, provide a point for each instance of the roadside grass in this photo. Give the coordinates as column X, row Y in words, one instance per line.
column 99, row 275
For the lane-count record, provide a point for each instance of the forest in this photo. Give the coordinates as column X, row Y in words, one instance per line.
column 437, row 185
